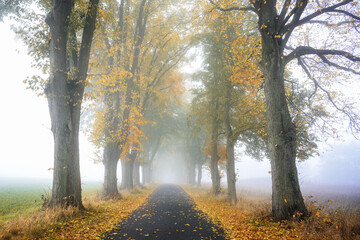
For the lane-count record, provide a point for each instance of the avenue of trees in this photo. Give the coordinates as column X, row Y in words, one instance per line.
column 119, row 64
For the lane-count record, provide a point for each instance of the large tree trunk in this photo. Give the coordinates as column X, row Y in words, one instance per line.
column 64, row 92
column 111, row 158
column 287, row 199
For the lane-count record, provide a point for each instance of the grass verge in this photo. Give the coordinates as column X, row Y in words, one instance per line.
column 100, row 216
column 249, row 219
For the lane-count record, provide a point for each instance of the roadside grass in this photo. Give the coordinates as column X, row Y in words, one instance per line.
column 100, row 216
column 20, row 197
column 250, row 218
column 19, row 202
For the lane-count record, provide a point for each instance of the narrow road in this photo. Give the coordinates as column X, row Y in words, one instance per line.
column 168, row 214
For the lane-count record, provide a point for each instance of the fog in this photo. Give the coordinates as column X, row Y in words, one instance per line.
column 27, row 143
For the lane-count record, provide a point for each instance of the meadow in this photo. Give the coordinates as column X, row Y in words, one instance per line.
column 20, row 197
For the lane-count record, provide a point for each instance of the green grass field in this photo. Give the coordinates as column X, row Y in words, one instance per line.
column 23, row 196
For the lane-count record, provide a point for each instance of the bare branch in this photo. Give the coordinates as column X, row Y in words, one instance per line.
column 347, row 13
column 284, row 10
column 297, row 11
column 302, row 64
column 234, row 8
column 329, row 24
column 327, row 61
column 352, row 116
column 302, row 51
column 310, row 17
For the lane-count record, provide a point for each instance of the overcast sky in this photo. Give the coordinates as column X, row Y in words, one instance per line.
column 26, row 145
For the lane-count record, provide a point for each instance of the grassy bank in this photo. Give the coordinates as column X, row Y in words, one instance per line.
column 250, row 218
column 29, row 221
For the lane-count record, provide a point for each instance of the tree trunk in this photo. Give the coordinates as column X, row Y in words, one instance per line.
column 149, row 158
column 111, row 158
column 130, row 81
column 287, row 199
column 146, row 167
column 230, row 171
column 136, row 173
column 191, row 172
column 64, row 92
column 230, row 138
column 214, row 170
column 127, row 174
column 199, row 174
column 124, row 174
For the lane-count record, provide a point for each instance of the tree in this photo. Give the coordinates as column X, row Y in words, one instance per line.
column 64, row 92
column 277, row 23
column 147, row 68
column 205, row 109
column 195, row 143
column 60, row 44
column 12, row 7
column 229, row 68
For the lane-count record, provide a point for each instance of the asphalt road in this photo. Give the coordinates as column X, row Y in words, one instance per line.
column 168, row 214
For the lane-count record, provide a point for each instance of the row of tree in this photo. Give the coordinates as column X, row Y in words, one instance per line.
column 115, row 64
column 130, row 50
column 248, row 94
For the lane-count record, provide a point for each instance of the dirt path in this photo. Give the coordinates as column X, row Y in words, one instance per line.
column 168, row 214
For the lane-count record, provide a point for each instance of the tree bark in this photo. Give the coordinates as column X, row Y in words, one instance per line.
column 136, row 173
column 287, row 199
column 214, row 159
column 230, row 171
column 230, row 138
column 111, row 158
column 127, row 166
column 64, row 92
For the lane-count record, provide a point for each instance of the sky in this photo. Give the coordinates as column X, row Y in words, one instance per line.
column 26, row 142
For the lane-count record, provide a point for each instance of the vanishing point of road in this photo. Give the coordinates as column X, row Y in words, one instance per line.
column 169, row 214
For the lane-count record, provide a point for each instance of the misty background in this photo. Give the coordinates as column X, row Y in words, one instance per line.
column 26, row 145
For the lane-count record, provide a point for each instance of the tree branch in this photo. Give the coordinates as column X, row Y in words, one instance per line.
column 328, row 62
column 352, row 116
column 86, row 40
column 302, row 51
column 234, row 8
column 306, row 19
column 347, row 13
column 329, row 24
column 297, row 11
column 284, row 10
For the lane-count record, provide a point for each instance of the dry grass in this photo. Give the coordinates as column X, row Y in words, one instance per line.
column 250, row 218
column 56, row 223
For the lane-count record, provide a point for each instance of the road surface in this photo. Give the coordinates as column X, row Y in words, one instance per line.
column 168, row 214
